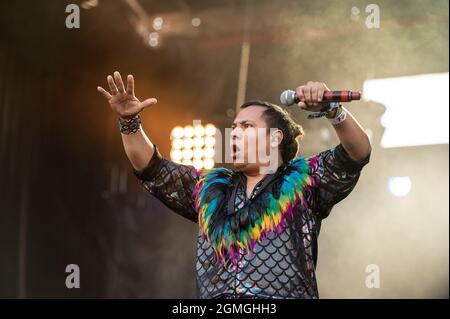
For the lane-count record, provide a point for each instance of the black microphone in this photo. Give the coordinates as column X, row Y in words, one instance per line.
column 290, row 97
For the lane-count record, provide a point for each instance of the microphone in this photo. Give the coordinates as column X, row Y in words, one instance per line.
column 290, row 97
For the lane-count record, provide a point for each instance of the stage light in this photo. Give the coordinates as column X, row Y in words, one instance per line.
column 188, row 142
column 407, row 120
column 198, row 153
column 153, row 42
column 187, row 162
column 199, row 130
column 210, row 130
column 399, row 186
column 157, row 23
column 188, row 131
column 196, row 22
column 199, row 142
column 153, row 39
column 210, row 141
column 208, row 152
column 89, row 4
column 176, row 155
column 208, row 163
column 194, row 145
column 198, row 163
column 154, row 35
column 177, row 143
column 177, row 132
column 188, row 154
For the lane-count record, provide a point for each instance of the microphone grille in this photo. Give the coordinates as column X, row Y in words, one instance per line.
column 287, row 97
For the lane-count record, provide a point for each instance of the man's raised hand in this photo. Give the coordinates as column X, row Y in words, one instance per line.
column 122, row 100
column 311, row 95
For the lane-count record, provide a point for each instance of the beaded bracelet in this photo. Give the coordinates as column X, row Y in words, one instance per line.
column 331, row 108
column 337, row 116
column 130, row 126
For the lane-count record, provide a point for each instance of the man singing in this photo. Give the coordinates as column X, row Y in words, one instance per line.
column 258, row 230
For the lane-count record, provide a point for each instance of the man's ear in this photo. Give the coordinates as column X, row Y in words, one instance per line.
column 275, row 138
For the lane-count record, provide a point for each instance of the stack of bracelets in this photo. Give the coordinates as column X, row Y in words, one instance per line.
column 335, row 113
column 130, row 126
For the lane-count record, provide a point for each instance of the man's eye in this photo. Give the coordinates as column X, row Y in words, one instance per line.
column 246, row 125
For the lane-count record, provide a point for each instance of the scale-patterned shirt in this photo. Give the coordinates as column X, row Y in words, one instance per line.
column 282, row 265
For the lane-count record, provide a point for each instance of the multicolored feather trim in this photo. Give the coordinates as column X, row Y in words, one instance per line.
column 259, row 217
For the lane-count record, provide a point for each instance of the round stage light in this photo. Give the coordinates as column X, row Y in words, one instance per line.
column 399, row 186
column 187, row 162
column 199, row 130
column 188, row 154
column 210, row 141
column 208, row 152
column 198, row 153
column 177, row 143
column 199, row 142
column 210, row 130
column 188, row 142
column 198, row 163
column 176, row 155
column 177, row 132
column 188, row 131
column 208, row 163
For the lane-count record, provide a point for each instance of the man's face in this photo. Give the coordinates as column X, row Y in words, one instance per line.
column 249, row 139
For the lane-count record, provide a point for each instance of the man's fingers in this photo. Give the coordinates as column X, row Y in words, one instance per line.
column 130, row 84
column 302, row 105
column 300, row 94
column 311, row 95
column 314, row 97
column 148, row 102
column 104, row 92
column 320, row 93
column 112, row 85
column 307, row 93
column 119, row 82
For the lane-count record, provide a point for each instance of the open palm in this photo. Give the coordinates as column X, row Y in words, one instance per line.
column 123, row 101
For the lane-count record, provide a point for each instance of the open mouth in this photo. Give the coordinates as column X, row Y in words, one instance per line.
column 234, row 150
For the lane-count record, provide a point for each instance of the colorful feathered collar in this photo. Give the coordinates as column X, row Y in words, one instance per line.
column 267, row 212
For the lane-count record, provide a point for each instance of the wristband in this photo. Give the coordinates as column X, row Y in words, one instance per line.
column 331, row 108
column 337, row 116
column 130, row 126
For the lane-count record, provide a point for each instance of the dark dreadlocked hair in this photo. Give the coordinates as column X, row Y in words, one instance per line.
column 277, row 117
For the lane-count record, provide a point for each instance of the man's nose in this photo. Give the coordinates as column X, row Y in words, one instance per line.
column 236, row 133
